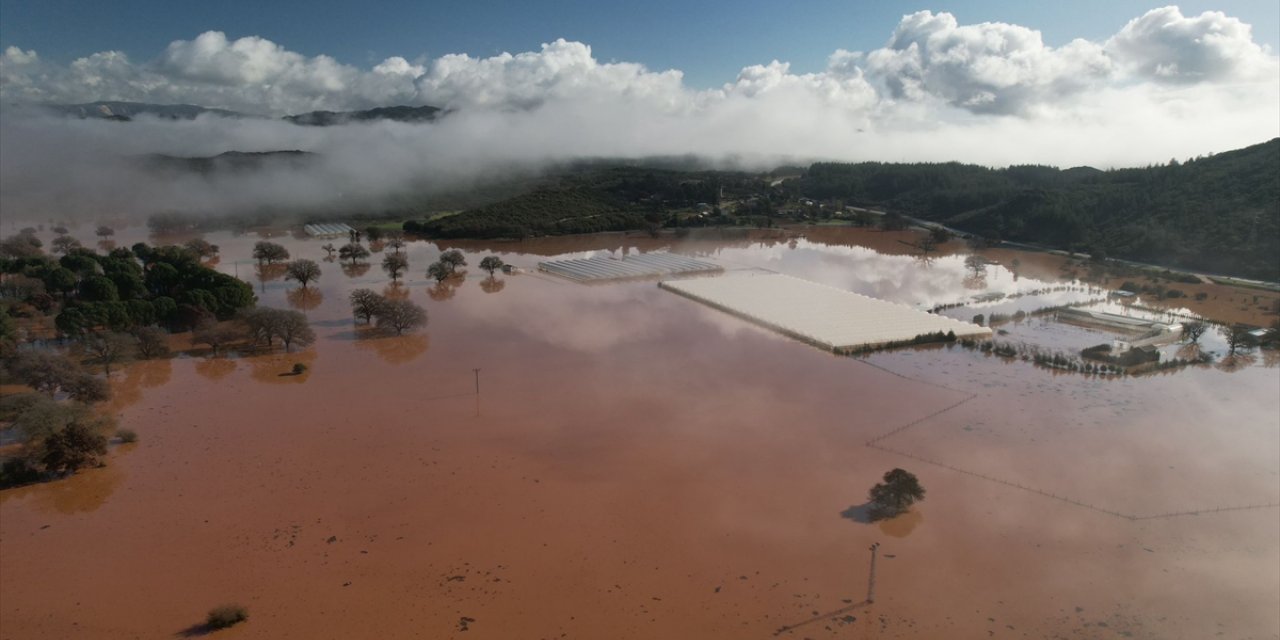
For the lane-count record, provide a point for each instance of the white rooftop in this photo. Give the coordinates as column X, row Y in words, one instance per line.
column 831, row 318
column 604, row 268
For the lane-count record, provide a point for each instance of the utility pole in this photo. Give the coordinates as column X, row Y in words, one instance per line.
column 871, row 583
column 477, row 372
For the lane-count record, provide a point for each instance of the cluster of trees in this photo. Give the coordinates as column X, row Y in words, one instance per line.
column 1219, row 214
column 257, row 327
column 392, row 315
column 447, row 266
column 123, row 290
column 56, row 437
column 599, row 199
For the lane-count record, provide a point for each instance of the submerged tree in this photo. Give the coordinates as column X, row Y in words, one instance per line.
column 400, row 316
column 329, row 249
column 269, row 252
column 202, row 248
column 303, row 271
column 439, row 270
column 491, row 264
column 365, row 303
column 353, row 251
column 394, row 264
column 452, row 259
column 1193, row 329
column 108, row 347
column 896, row 494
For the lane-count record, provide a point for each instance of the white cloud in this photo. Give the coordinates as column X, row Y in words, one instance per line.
column 1165, row 46
column 1164, row 86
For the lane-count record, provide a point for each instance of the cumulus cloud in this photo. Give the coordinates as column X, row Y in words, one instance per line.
column 1165, row 85
column 1165, row 46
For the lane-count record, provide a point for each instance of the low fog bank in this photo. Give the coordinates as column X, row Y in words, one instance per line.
column 63, row 168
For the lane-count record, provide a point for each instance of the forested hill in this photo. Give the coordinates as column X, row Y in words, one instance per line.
column 1219, row 213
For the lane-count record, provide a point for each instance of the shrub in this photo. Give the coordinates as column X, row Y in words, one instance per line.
column 225, row 616
column 299, row 369
column 127, row 435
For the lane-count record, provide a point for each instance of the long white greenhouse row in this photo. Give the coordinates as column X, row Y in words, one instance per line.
column 834, row 319
column 640, row 265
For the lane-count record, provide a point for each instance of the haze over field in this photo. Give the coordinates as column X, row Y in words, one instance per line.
column 1164, row 85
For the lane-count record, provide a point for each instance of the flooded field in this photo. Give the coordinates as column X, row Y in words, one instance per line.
column 636, row 465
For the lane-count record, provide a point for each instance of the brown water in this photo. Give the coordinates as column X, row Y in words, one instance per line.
column 639, row 466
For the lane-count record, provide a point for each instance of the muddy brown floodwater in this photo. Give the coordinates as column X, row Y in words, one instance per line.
column 639, row 466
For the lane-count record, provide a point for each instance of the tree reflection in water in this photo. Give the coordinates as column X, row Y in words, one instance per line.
column 304, row 298
column 492, row 285
column 355, row 270
column 393, row 349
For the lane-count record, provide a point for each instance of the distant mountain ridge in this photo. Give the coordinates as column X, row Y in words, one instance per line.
column 230, row 161
column 424, row 113
column 127, row 111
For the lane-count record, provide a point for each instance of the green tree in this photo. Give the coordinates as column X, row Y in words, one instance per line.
column 491, row 264
column 452, row 259
column 269, row 252
column 74, row 446
column 353, row 251
column 896, row 494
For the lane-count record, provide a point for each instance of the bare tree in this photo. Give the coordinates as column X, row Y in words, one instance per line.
column 1193, row 329
column 365, row 303
column 152, row 342
column 394, row 264
column 400, row 316
column 217, row 334
column 396, row 241
column 302, row 270
column 108, row 347
column 293, row 329
column 329, row 249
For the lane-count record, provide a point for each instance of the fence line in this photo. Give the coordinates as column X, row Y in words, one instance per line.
column 874, row 443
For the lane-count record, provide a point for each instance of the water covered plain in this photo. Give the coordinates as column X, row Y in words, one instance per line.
column 636, row 465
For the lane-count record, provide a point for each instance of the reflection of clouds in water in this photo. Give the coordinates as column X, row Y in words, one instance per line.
column 215, row 368
column 582, row 318
column 393, row 349
column 899, row 278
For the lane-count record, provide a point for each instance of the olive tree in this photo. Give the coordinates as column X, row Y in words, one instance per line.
column 1193, row 329
column 302, row 270
column 353, row 251
column 452, row 259
column 269, row 252
column 439, row 270
column 896, row 494
column 491, row 264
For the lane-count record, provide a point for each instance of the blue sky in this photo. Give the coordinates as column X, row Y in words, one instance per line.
column 709, row 41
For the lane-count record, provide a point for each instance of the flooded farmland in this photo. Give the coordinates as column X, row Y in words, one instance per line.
column 636, row 465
